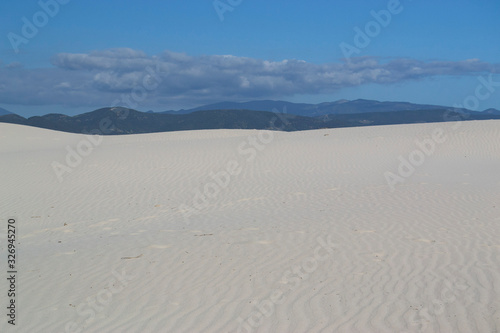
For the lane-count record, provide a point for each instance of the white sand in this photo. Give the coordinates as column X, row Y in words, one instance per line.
column 424, row 257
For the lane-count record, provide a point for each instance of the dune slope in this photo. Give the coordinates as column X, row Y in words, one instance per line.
column 255, row 231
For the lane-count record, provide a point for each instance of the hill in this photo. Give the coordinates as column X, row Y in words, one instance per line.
column 117, row 120
column 313, row 110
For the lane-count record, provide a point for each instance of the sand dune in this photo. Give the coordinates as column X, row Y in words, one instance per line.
column 255, row 231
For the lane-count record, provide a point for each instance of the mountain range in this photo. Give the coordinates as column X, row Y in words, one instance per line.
column 328, row 108
column 276, row 115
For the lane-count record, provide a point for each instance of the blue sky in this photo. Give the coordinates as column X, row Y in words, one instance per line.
column 162, row 55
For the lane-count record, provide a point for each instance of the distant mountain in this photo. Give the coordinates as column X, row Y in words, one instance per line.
column 266, row 105
column 312, row 110
column 367, row 106
column 118, row 120
column 408, row 117
column 4, row 112
column 127, row 121
column 491, row 111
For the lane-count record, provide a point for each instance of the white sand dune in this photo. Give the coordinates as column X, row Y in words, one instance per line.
column 305, row 237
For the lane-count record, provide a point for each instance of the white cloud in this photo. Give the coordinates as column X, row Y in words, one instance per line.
column 100, row 77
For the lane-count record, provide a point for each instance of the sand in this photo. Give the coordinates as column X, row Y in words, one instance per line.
column 254, row 231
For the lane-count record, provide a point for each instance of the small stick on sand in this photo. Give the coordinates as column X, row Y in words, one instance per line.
column 140, row 255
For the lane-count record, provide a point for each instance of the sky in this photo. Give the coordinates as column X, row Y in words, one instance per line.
column 74, row 56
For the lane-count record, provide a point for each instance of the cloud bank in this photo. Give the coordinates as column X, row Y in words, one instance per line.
column 107, row 77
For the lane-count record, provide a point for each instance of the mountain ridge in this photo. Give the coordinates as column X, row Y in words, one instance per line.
column 120, row 120
column 320, row 109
